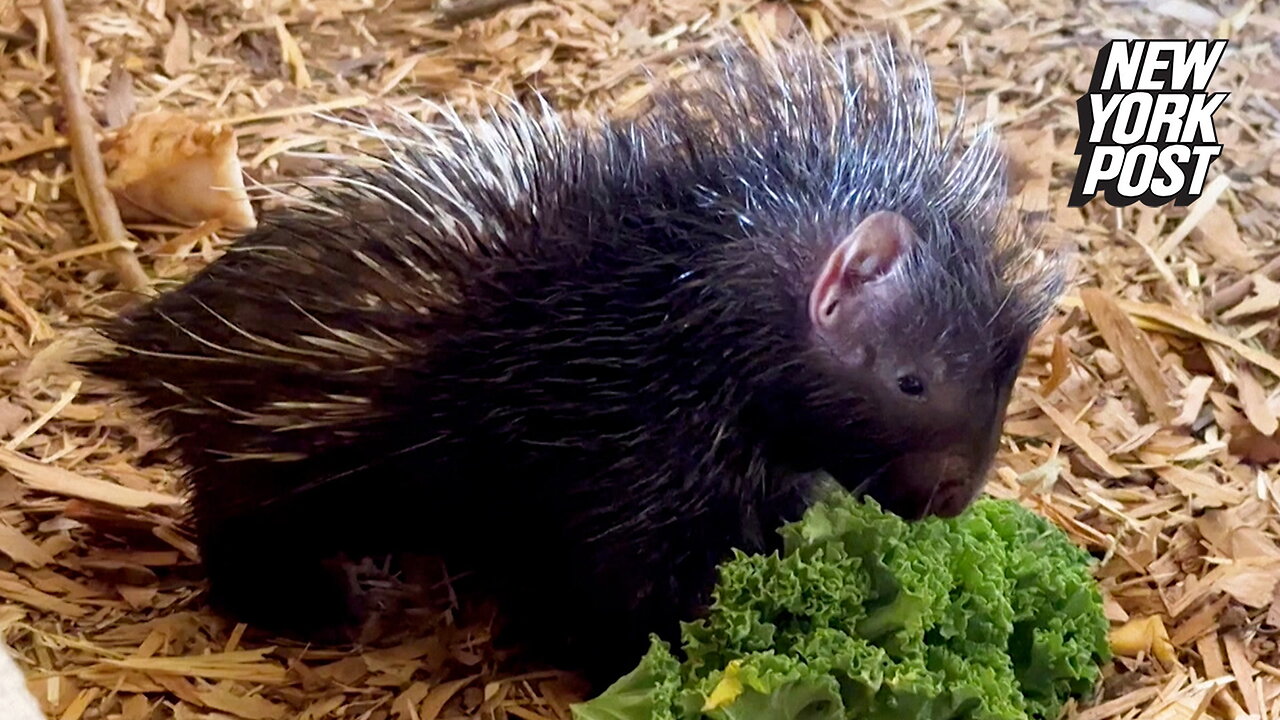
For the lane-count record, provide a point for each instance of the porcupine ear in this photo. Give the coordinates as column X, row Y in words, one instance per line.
column 870, row 252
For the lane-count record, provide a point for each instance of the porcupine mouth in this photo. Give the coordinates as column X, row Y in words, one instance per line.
column 900, row 497
column 941, row 499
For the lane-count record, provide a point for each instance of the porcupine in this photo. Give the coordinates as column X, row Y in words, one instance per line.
column 589, row 359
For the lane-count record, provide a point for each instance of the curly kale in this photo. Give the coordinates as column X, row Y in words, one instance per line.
column 993, row 615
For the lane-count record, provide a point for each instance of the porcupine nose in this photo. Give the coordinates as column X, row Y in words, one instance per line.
column 959, row 483
column 922, row 484
column 961, row 468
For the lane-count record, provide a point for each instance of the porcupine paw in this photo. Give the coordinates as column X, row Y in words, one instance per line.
column 305, row 601
column 377, row 598
column 340, row 602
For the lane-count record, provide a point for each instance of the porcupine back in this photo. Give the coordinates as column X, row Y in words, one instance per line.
column 581, row 335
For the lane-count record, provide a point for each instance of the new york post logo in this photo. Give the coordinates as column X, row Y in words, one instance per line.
column 1146, row 124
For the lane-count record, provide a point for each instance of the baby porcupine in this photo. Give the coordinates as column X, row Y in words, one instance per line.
column 589, row 360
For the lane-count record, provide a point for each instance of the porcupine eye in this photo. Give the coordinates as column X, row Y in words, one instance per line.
column 911, row 385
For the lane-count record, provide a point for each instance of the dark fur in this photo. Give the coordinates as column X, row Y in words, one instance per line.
column 590, row 377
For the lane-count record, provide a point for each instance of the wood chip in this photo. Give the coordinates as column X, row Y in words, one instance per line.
column 51, row 479
column 1134, row 351
column 177, row 53
column 21, row 549
column 1169, row 318
column 1080, row 436
column 13, row 588
column 1141, row 636
column 1199, row 210
column 1256, row 407
column 244, row 665
column 436, row 699
column 1243, row 670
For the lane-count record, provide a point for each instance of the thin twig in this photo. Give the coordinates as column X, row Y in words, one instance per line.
column 98, row 203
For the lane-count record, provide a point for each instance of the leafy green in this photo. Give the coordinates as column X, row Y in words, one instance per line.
column 993, row 615
column 649, row 691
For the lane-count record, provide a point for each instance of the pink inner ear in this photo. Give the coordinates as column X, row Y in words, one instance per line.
column 824, row 298
column 868, row 253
